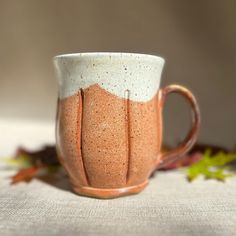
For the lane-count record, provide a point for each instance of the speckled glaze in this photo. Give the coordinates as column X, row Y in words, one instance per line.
column 114, row 72
column 109, row 121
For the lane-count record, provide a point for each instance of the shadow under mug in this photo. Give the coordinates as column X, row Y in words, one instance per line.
column 109, row 121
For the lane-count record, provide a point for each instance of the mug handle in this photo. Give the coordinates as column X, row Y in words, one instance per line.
column 175, row 154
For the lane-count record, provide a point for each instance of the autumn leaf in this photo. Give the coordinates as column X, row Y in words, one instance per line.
column 212, row 166
column 33, row 164
column 22, row 161
column 193, row 156
column 24, row 175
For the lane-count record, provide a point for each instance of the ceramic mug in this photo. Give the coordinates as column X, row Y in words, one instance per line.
column 109, row 121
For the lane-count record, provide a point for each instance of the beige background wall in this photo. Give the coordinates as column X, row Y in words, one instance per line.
column 197, row 39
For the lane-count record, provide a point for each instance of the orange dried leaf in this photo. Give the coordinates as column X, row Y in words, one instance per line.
column 24, row 175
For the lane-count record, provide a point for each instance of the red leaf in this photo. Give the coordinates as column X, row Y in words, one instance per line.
column 24, row 175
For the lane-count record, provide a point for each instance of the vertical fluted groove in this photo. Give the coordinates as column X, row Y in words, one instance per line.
column 80, row 119
column 127, row 121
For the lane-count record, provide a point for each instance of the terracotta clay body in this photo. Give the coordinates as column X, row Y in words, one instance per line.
column 118, row 143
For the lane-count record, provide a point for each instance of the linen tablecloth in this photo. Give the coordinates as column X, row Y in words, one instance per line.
column 168, row 206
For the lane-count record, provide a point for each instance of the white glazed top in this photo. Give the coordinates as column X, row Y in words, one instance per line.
column 114, row 72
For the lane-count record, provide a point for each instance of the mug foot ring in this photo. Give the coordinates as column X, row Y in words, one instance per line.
column 109, row 192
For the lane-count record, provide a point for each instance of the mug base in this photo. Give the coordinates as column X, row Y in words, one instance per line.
column 104, row 193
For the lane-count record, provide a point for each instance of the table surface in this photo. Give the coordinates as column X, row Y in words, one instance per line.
column 168, row 206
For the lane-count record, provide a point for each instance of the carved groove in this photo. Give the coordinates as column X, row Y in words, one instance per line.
column 127, row 121
column 80, row 118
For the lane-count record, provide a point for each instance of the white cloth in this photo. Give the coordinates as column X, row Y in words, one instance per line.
column 168, row 206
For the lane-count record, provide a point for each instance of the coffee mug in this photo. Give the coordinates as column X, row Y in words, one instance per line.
column 109, row 121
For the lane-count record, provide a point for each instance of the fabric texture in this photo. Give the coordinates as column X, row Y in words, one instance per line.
column 168, row 206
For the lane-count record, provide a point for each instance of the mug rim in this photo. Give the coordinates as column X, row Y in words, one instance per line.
column 113, row 54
